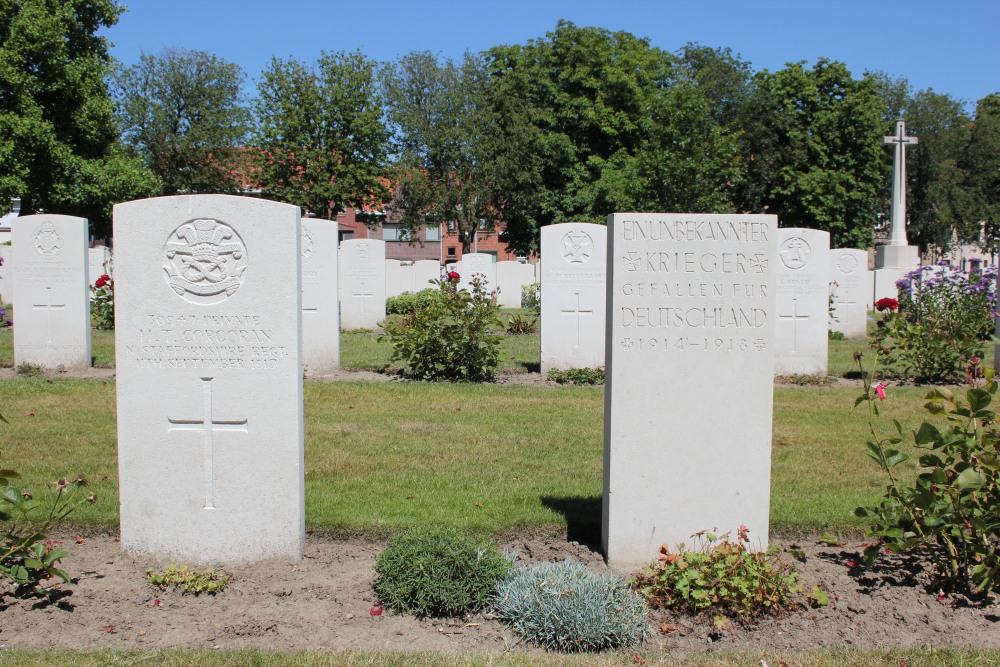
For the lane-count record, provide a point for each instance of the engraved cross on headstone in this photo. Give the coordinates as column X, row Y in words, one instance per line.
column 48, row 306
column 362, row 294
column 897, row 234
column 578, row 312
column 207, row 426
column 848, row 301
column 794, row 317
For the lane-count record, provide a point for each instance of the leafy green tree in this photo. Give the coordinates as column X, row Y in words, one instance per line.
column 813, row 143
column 940, row 204
column 183, row 112
column 320, row 141
column 57, row 129
column 465, row 152
column 688, row 162
column 586, row 92
column 982, row 163
column 722, row 78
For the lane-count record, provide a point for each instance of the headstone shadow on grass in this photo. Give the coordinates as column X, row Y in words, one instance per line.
column 582, row 514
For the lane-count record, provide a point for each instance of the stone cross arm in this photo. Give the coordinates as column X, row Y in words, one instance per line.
column 900, row 136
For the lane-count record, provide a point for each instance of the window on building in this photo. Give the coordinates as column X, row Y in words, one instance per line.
column 451, row 226
column 393, row 232
column 344, row 235
column 451, row 252
column 432, row 233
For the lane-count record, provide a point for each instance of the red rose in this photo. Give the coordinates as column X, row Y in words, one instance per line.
column 887, row 303
column 453, row 277
column 102, row 281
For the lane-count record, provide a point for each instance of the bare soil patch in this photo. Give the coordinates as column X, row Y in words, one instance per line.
column 325, row 601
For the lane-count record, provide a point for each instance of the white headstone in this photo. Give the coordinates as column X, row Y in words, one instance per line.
column 850, row 292
column 99, row 259
column 424, row 271
column 478, row 264
column 398, row 278
column 573, row 289
column 320, row 297
column 802, row 335
column 511, row 277
column 6, row 275
column 208, row 343
column 52, row 311
column 362, row 284
column 885, row 283
column 690, row 356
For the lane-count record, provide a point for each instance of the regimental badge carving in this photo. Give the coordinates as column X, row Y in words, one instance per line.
column 577, row 247
column 204, row 261
column 795, row 253
column 847, row 264
column 47, row 242
column 308, row 244
column 361, row 250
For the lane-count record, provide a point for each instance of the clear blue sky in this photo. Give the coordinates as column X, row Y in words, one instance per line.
column 950, row 46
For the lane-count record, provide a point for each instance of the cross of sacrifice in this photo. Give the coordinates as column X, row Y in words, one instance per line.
column 48, row 306
column 207, row 425
column 362, row 294
column 576, row 311
column 897, row 234
column 794, row 317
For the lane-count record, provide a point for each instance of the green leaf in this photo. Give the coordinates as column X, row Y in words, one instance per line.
column 978, row 399
column 819, row 598
column 941, row 392
column 934, row 407
column 895, row 457
column 926, row 434
column 969, row 479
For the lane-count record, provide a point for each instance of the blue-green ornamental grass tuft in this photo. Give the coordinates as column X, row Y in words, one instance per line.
column 564, row 607
column 434, row 572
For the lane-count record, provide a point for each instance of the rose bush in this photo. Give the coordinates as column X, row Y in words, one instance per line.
column 942, row 318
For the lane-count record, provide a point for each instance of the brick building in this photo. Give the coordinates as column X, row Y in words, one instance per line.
column 439, row 243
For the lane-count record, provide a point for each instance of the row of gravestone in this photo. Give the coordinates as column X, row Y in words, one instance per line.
column 209, row 347
column 817, row 289
column 51, row 263
column 815, row 285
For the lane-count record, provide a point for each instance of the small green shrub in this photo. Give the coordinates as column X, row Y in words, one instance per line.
column 452, row 338
column 951, row 513
column 531, row 298
column 188, row 581
column 577, row 376
column 520, row 326
column 837, row 335
column 102, row 305
column 433, row 572
column 5, row 320
column 564, row 607
column 725, row 579
column 409, row 302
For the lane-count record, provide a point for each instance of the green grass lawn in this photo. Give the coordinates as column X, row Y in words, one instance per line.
column 498, row 458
